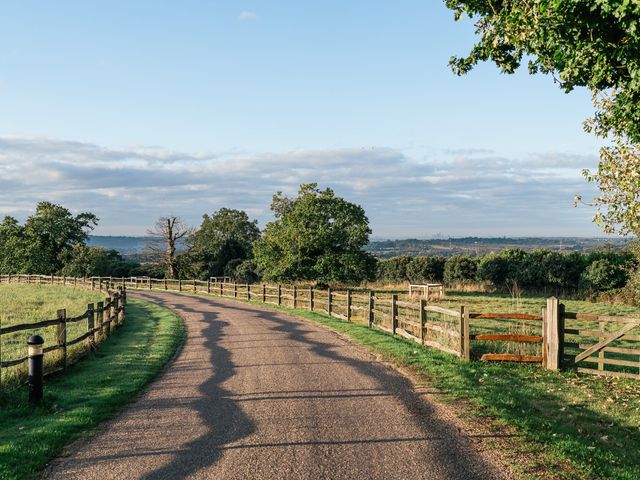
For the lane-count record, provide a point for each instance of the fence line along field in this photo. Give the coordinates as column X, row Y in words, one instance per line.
column 546, row 332
column 34, row 301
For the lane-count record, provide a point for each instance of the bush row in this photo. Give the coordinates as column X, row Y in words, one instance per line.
column 537, row 270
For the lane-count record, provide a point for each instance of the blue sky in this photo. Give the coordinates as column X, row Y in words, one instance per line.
column 138, row 109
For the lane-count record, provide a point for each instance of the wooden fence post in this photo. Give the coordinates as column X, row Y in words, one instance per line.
column 61, row 335
column 394, row 313
column 601, row 329
column 149, row 283
column 208, row 285
column 423, row 318
column 116, row 309
column 295, row 297
column 264, row 293
column 99, row 317
column 348, row 305
column 279, row 294
column 91, row 319
column 93, row 284
column 311, row 299
column 235, row 290
column 194, row 286
column 329, row 309
column 179, row 285
column 107, row 307
column 465, row 342
column 248, row 292
column 553, row 337
column 371, row 308
column 221, row 289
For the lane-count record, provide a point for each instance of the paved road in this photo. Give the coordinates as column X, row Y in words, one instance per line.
column 260, row 394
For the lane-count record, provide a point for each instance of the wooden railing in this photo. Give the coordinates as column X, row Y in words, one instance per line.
column 96, row 323
column 602, row 344
column 554, row 339
column 468, row 335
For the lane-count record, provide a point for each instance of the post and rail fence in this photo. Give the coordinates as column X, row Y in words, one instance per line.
column 69, row 338
column 554, row 339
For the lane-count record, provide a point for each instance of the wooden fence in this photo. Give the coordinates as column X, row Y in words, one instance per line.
column 555, row 339
column 96, row 323
column 468, row 335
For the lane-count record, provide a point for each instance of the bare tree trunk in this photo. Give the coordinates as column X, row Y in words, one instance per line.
column 167, row 231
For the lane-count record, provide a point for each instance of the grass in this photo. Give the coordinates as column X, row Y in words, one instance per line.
column 31, row 303
column 567, row 426
column 88, row 393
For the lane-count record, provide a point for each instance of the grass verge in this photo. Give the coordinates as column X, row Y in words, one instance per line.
column 567, row 426
column 88, row 393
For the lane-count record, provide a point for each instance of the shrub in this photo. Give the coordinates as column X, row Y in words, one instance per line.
column 425, row 269
column 393, row 269
column 460, row 269
column 604, row 274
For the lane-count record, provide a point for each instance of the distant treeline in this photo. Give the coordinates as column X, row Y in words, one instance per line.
column 477, row 246
column 541, row 269
column 315, row 237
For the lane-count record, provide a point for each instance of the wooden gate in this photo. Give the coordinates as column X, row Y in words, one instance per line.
column 603, row 345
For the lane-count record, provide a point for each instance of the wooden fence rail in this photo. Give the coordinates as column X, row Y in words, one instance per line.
column 101, row 319
column 554, row 339
column 456, row 332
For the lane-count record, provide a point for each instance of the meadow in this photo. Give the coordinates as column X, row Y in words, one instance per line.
column 89, row 392
column 20, row 304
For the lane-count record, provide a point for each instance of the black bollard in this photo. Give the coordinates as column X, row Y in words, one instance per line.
column 36, row 370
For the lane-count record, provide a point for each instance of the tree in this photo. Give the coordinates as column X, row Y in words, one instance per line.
column 604, row 274
column 460, row 269
column 425, row 269
column 165, row 236
column 227, row 235
column 315, row 236
column 393, row 269
column 95, row 261
column 12, row 247
column 593, row 44
column 46, row 240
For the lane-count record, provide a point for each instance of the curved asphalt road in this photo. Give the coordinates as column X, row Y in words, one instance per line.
column 260, row 394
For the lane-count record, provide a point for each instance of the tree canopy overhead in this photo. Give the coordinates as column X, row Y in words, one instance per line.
column 315, row 236
column 581, row 43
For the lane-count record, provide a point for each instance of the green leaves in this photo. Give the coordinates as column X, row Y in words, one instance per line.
column 316, row 236
column 45, row 241
column 581, row 43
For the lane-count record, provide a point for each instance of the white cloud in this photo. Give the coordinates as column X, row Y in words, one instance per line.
column 247, row 15
column 455, row 192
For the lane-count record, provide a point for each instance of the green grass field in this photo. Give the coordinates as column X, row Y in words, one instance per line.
column 31, row 303
column 89, row 392
column 565, row 426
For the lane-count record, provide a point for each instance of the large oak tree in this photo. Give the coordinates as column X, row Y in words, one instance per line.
column 315, row 236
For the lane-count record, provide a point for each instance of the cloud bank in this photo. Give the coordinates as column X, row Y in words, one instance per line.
column 453, row 192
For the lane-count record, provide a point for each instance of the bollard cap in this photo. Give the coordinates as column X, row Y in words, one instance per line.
column 35, row 340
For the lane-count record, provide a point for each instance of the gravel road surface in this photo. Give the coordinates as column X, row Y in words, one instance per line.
column 261, row 394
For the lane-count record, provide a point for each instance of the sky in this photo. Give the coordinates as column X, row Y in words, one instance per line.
column 133, row 110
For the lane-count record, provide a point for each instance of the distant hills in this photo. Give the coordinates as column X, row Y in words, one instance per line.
column 481, row 246
column 131, row 247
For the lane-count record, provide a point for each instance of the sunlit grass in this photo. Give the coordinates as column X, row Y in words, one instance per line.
column 88, row 393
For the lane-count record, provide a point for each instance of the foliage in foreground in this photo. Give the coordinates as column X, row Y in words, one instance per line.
column 90, row 392
column 581, row 43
